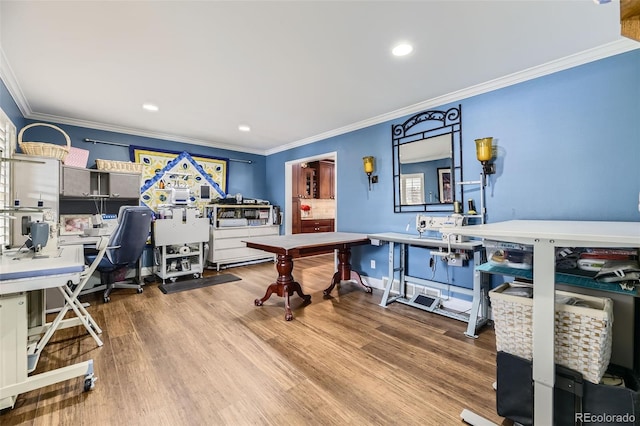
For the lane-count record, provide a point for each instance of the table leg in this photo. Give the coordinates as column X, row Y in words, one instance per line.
column 284, row 286
column 345, row 273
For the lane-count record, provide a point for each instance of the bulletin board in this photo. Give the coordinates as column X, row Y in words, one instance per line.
column 199, row 170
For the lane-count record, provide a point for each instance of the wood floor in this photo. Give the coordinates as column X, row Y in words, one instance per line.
column 210, row 357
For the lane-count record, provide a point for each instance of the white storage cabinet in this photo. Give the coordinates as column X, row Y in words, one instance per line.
column 231, row 224
column 180, row 240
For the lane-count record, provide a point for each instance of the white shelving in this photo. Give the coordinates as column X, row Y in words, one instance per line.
column 233, row 223
column 173, row 265
column 180, row 239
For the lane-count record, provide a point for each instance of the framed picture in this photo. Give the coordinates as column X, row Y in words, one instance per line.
column 74, row 224
column 444, row 185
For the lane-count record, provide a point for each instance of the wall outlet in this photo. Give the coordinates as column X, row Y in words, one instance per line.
column 373, row 264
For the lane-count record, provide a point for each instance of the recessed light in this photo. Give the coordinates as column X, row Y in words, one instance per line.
column 244, row 128
column 402, row 49
column 150, row 107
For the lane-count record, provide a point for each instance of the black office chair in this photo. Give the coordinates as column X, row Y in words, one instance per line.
column 124, row 250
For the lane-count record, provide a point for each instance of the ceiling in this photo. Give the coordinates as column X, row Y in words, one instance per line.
column 295, row 71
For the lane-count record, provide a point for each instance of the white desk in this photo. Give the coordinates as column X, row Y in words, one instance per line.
column 72, row 240
column 22, row 276
column 476, row 318
column 545, row 236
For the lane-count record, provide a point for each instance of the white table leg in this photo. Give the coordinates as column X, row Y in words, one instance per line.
column 543, row 330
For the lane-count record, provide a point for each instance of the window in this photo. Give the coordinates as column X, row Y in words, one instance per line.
column 7, row 142
column 412, row 188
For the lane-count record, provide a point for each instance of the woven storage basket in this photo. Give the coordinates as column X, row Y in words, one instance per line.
column 119, row 166
column 43, row 149
column 582, row 334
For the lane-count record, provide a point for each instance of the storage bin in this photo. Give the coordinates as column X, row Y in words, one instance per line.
column 582, row 333
column 43, row 149
column 592, row 403
column 119, row 166
column 512, row 255
column 77, row 157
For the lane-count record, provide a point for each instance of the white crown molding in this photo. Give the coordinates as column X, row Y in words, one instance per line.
column 610, row 49
column 136, row 132
column 10, row 80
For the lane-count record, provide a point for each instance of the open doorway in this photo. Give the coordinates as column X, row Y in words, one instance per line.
column 304, row 187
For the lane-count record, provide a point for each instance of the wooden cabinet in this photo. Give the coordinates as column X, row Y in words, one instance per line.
column 295, row 215
column 304, row 181
column 78, row 182
column 308, row 184
column 326, row 181
column 295, row 181
column 318, row 225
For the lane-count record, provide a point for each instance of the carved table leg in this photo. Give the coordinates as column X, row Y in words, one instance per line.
column 284, row 286
column 273, row 288
column 344, row 272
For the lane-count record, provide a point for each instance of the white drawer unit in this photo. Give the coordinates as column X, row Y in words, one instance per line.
column 226, row 246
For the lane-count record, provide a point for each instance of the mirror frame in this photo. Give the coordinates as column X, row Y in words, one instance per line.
column 443, row 122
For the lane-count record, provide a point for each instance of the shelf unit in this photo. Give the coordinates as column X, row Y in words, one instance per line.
column 76, row 182
column 174, row 263
column 560, row 278
column 482, row 213
column 180, row 240
column 233, row 223
column 545, row 236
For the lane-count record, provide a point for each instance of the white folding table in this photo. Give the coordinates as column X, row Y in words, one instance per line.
column 23, row 280
column 545, row 236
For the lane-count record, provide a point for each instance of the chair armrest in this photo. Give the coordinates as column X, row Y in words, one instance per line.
column 101, row 246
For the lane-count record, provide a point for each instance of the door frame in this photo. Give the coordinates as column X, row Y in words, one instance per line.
column 288, row 187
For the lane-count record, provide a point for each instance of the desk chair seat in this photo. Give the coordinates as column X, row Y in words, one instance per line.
column 124, row 250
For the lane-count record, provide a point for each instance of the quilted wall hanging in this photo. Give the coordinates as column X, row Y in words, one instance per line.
column 166, row 168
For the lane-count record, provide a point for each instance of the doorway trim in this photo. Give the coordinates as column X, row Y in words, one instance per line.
column 288, row 190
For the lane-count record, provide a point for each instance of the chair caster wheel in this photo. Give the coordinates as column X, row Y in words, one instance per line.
column 139, row 290
column 106, row 299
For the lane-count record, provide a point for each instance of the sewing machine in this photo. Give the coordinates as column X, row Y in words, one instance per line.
column 42, row 235
column 441, row 224
column 102, row 224
column 445, row 227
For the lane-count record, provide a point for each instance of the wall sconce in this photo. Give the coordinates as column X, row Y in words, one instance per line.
column 368, row 163
column 484, row 152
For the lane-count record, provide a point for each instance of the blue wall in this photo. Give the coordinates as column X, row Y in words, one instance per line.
column 568, row 148
column 10, row 108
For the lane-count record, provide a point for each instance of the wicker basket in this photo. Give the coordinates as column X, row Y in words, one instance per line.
column 43, row 149
column 583, row 335
column 119, row 166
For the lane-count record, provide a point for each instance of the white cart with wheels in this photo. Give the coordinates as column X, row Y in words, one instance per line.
column 180, row 240
column 23, row 281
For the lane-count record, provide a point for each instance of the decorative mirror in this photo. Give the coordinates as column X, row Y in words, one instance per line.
column 427, row 161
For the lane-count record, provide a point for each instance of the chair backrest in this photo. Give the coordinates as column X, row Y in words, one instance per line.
column 130, row 236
